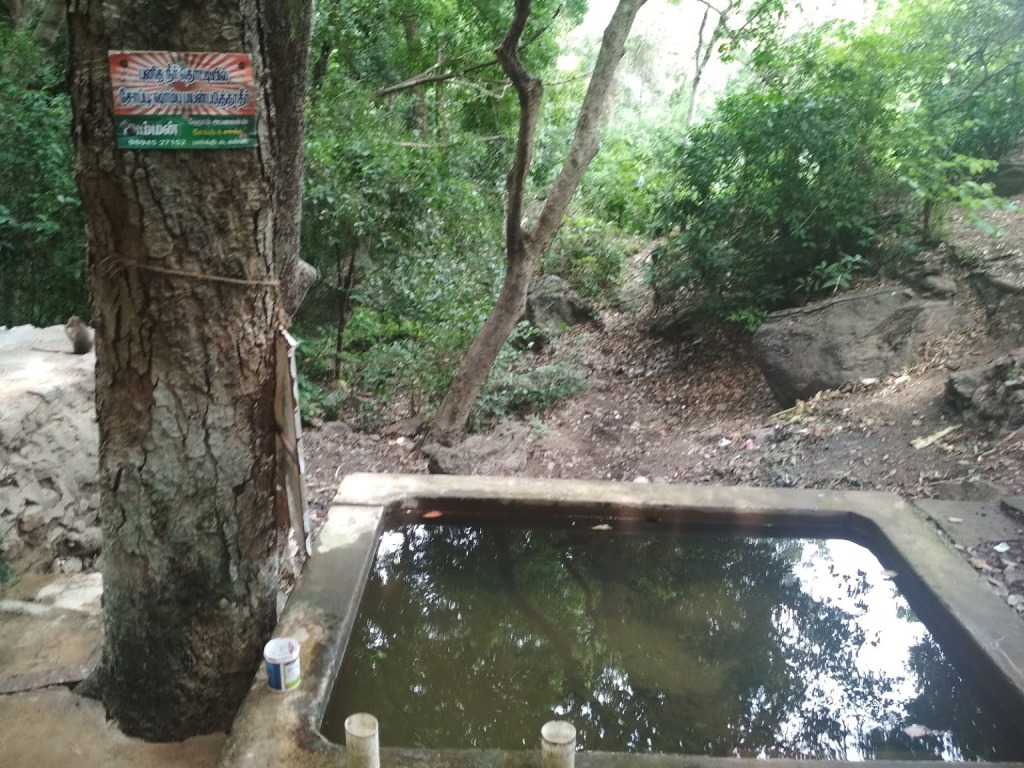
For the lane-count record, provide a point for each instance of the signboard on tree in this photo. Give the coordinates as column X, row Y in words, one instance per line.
column 173, row 100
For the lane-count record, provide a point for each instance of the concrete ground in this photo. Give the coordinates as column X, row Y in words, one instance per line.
column 50, row 631
column 54, row 728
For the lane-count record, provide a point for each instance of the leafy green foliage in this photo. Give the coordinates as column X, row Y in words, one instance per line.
column 590, row 255
column 406, row 245
column 42, row 229
column 518, row 387
column 831, row 277
column 936, row 177
column 404, row 193
column 962, row 61
column 839, row 142
column 788, row 170
column 411, row 366
column 318, row 401
column 625, row 182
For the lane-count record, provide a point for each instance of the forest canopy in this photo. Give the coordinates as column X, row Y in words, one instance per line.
column 828, row 152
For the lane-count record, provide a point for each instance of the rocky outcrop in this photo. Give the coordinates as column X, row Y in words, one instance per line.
column 1007, row 179
column 501, row 452
column 852, row 337
column 1002, row 296
column 992, row 393
column 552, row 306
column 49, row 442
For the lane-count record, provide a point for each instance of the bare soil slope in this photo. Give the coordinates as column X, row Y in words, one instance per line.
column 700, row 411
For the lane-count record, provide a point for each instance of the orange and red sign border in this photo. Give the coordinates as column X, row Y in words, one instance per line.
column 176, row 100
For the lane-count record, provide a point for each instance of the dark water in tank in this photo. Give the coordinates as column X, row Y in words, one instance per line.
column 474, row 637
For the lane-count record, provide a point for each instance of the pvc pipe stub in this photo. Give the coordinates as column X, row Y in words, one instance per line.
column 361, row 741
column 361, row 725
column 557, row 744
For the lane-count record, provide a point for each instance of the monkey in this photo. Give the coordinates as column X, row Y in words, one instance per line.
column 80, row 335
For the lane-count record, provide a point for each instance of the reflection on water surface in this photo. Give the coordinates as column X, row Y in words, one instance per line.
column 474, row 637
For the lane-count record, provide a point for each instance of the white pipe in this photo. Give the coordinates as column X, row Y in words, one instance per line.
column 557, row 744
column 361, row 741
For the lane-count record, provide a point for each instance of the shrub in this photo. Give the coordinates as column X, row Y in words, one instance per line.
column 516, row 389
column 623, row 185
column 788, row 172
column 839, row 143
column 590, row 255
column 828, row 278
column 42, row 227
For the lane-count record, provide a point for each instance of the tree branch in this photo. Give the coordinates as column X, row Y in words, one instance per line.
column 445, row 144
column 963, row 97
column 709, row 6
column 427, row 77
column 524, row 248
column 593, row 114
column 530, row 91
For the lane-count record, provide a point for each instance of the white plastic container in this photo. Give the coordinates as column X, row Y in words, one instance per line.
column 284, row 672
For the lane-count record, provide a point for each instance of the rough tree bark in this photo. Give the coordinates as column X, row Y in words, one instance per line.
column 524, row 247
column 193, row 264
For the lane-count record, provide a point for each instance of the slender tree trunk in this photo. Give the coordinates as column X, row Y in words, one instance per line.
column 700, row 59
column 345, row 282
column 702, row 54
column 193, row 263
column 414, row 44
column 523, row 247
column 49, row 23
column 759, row 10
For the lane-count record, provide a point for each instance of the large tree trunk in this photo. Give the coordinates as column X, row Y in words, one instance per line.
column 193, row 264
column 523, row 248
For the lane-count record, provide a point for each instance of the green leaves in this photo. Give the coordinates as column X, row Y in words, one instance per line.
column 828, row 278
column 836, row 141
column 519, row 387
column 785, row 173
column 590, row 255
column 42, row 230
column 410, row 133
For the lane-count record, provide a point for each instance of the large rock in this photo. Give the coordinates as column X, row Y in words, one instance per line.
column 1008, row 180
column 45, row 645
column 854, row 336
column 502, row 452
column 49, row 447
column 1001, row 292
column 553, row 306
column 993, row 392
